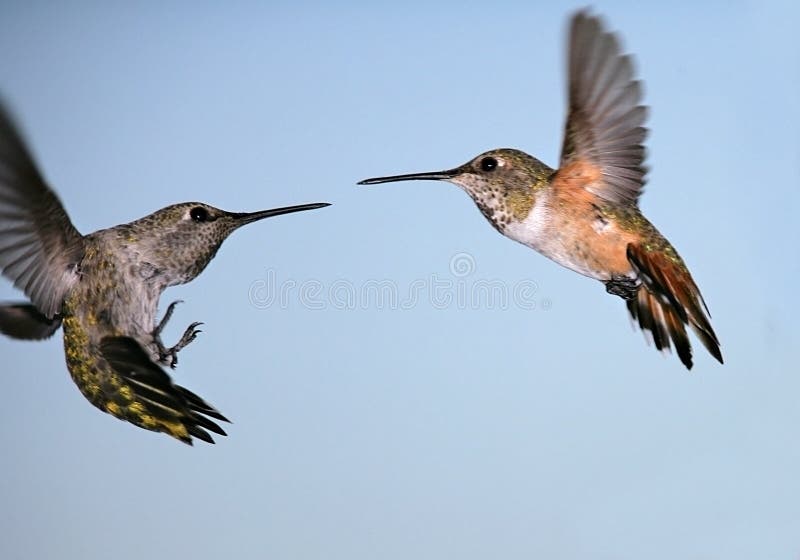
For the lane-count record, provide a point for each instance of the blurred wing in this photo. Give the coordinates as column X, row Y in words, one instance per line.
column 149, row 398
column 605, row 122
column 23, row 321
column 39, row 247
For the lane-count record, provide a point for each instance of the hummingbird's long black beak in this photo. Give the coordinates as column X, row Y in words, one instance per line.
column 429, row 176
column 249, row 217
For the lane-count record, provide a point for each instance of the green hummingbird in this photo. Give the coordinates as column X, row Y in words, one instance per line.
column 104, row 287
column 585, row 214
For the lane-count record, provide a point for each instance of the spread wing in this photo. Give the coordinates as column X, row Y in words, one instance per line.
column 39, row 247
column 146, row 396
column 605, row 122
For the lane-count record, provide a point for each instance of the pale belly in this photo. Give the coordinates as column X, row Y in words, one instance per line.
column 561, row 241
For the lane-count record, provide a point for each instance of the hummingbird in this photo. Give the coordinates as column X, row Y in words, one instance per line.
column 103, row 289
column 585, row 215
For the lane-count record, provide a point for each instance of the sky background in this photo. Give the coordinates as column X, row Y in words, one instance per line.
column 422, row 428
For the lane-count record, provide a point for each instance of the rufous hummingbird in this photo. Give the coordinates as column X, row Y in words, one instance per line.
column 585, row 214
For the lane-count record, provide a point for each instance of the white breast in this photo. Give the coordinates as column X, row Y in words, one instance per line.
column 533, row 230
column 540, row 231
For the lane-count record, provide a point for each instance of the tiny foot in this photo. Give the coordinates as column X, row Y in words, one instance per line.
column 169, row 356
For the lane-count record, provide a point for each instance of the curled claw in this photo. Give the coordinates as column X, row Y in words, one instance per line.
column 169, row 356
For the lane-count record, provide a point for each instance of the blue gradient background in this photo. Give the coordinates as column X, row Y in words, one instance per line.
column 466, row 432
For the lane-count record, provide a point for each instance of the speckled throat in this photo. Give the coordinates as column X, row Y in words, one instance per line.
column 494, row 205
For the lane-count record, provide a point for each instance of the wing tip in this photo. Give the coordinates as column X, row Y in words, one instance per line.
column 606, row 110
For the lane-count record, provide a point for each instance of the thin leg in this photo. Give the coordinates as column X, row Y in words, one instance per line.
column 169, row 356
column 165, row 319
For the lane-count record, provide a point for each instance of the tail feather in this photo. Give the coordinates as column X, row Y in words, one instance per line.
column 662, row 325
column 667, row 301
column 141, row 392
column 199, row 405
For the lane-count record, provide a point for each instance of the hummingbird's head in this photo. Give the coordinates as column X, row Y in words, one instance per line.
column 502, row 182
column 185, row 237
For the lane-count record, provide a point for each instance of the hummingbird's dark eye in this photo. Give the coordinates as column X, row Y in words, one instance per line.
column 488, row 164
column 198, row 214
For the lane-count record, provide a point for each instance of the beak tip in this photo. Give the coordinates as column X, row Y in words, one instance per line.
column 249, row 217
column 429, row 176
